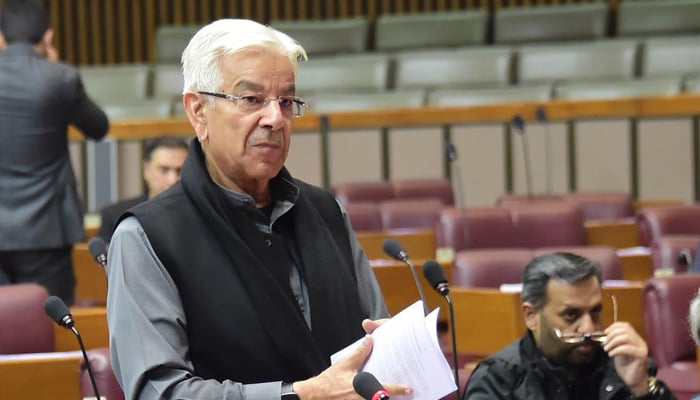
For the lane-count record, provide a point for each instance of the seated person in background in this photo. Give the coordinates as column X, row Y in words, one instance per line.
column 162, row 163
column 562, row 296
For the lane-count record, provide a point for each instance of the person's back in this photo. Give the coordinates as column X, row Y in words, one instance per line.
column 39, row 98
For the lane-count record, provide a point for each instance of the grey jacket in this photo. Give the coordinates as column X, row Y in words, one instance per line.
column 39, row 204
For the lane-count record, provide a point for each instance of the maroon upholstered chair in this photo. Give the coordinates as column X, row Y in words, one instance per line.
column 665, row 305
column 489, row 267
column 105, row 380
column 674, row 251
column 487, row 227
column 654, row 222
column 547, row 224
column 418, row 214
column 439, row 189
column 606, row 257
column 508, row 199
column 364, row 216
column 603, row 205
column 374, row 192
column 25, row 326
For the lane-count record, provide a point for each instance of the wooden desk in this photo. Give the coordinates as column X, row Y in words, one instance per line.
column 399, row 289
column 419, row 244
column 487, row 319
column 90, row 277
column 40, row 376
column 618, row 233
column 637, row 266
column 91, row 322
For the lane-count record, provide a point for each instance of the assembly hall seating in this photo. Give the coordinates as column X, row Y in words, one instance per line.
column 594, row 205
column 408, row 189
column 105, row 380
column 672, row 233
column 28, row 330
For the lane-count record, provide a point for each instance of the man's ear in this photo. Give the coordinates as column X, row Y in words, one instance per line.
column 2, row 41
column 530, row 315
column 195, row 107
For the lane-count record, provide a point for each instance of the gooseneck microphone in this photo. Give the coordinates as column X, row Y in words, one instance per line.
column 393, row 249
column 518, row 125
column 541, row 116
column 451, row 153
column 368, row 387
column 58, row 311
column 98, row 250
column 433, row 273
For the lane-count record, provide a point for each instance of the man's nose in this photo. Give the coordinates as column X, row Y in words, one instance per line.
column 272, row 115
column 586, row 324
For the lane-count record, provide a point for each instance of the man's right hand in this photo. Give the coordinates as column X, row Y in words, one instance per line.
column 336, row 381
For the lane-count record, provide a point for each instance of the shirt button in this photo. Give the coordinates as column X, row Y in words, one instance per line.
column 609, row 388
column 268, row 242
column 246, row 201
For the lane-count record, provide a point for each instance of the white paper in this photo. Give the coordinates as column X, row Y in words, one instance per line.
column 406, row 351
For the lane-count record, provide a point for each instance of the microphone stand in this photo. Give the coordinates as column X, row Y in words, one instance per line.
column 454, row 342
column 87, row 362
column 519, row 126
column 541, row 115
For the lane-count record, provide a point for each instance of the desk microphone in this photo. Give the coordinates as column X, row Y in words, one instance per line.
column 58, row 311
column 518, row 125
column 433, row 273
column 98, row 250
column 451, row 153
column 393, row 249
column 541, row 116
column 368, row 387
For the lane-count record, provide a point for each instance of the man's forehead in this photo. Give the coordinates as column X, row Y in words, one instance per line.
column 581, row 294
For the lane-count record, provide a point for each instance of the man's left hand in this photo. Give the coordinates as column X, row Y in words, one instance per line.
column 629, row 352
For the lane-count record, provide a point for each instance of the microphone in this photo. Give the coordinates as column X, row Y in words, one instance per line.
column 98, row 250
column 451, row 153
column 393, row 249
column 368, row 387
column 58, row 311
column 518, row 125
column 541, row 116
column 436, row 277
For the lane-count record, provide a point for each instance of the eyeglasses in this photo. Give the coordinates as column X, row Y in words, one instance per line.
column 597, row 336
column 290, row 105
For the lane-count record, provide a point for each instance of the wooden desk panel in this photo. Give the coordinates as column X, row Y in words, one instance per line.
column 636, row 267
column 90, row 277
column 487, row 319
column 619, row 234
column 91, row 322
column 419, row 244
column 41, row 376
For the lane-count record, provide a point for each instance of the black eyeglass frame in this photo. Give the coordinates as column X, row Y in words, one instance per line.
column 297, row 106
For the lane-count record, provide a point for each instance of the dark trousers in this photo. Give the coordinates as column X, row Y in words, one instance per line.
column 51, row 268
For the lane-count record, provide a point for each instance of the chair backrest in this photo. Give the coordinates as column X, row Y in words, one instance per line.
column 618, row 90
column 120, row 83
column 489, row 267
column 611, row 60
column 657, row 17
column 414, row 214
column 665, row 305
column 167, row 81
column 333, row 102
column 335, row 36
column 603, row 205
column 583, row 21
column 353, row 192
column 25, row 326
column 547, row 224
column 415, row 189
column 675, row 252
column 670, row 56
column 364, row 216
column 475, row 228
column 606, row 257
column 475, row 67
column 469, row 97
column 147, row 108
column 654, row 222
column 171, row 40
column 431, row 30
column 367, row 73
column 105, row 380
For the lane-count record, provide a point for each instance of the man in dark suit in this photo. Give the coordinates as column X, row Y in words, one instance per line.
column 40, row 212
column 162, row 163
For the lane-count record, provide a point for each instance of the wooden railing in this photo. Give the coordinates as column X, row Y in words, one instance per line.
column 123, row 31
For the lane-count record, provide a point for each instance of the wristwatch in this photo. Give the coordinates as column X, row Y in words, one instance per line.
column 287, row 393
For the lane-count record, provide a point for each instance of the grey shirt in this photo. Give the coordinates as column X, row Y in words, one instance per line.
column 147, row 323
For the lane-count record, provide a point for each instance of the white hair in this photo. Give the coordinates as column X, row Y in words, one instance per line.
column 201, row 59
column 694, row 318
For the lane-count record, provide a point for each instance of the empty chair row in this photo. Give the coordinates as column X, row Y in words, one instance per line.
column 526, row 24
column 407, row 189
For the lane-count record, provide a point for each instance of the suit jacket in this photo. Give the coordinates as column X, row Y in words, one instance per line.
column 39, row 204
column 111, row 213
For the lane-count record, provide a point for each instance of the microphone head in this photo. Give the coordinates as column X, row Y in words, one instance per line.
column 433, row 273
column 58, row 311
column 393, row 249
column 367, row 386
column 541, row 114
column 97, row 246
column 450, row 151
column 518, row 123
